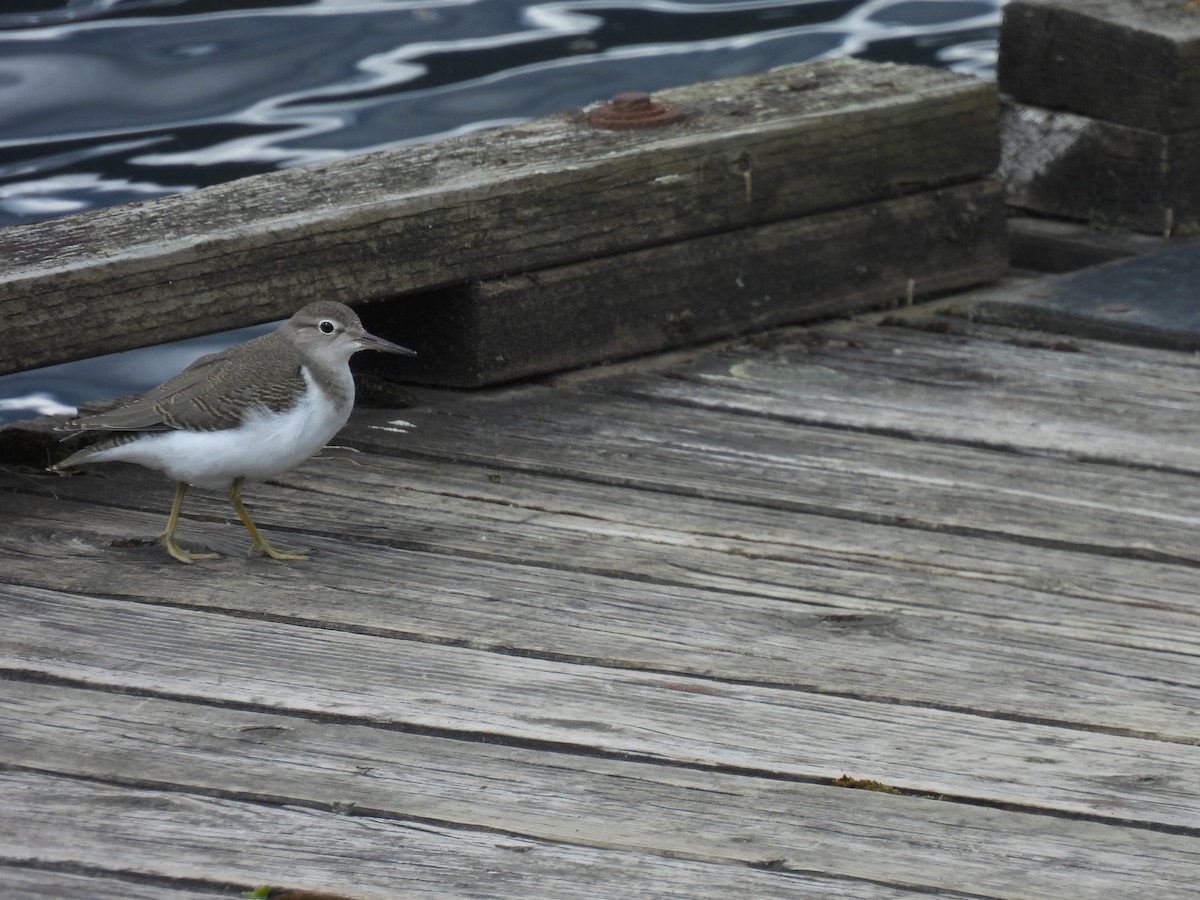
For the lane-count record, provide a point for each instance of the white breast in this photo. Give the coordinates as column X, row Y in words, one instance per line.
column 265, row 445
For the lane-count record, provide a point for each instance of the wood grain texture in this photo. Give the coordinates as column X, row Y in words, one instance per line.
column 664, row 718
column 801, row 468
column 33, row 879
column 862, row 257
column 814, row 620
column 638, row 623
column 708, row 817
column 548, row 192
column 194, row 837
column 1135, row 64
column 1070, row 398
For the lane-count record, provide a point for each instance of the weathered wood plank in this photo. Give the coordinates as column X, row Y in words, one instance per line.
column 431, row 500
column 173, row 835
column 268, row 665
column 826, row 622
column 681, row 293
column 51, row 882
column 488, row 204
column 836, row 567
column 1104, row 127
column 1135, row 64
column 810, row 468
column 897, row 380
column 713, row 817
column 580, row 526
column 807, row 468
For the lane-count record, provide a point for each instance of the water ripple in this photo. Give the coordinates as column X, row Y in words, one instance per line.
column 108, row 101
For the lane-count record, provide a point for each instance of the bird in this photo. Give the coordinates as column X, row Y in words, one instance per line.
column 239, row 416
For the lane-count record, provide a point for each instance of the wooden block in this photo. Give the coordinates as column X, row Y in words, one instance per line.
column 1134, row 64
column 550, row 192
column 1077, row 167
column 701, row 289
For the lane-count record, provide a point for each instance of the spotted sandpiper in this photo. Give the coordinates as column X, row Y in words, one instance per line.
column 239, row 416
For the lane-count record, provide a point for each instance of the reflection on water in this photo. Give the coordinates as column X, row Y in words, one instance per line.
column 110, row 101
column 105, row 102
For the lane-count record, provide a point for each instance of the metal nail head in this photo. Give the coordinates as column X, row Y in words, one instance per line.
column 633, row 109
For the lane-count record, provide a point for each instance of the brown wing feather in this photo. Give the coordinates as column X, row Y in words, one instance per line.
column 212, row 391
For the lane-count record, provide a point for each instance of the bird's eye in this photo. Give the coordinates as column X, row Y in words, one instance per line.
column 326, row 326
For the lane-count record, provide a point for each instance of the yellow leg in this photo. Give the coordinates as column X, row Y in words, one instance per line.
column 258, row 542
column 168, row 536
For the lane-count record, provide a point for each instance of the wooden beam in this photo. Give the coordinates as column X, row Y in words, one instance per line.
column 1134, row 64
column 550, row 192
column 570, row 316
column 1103, row 126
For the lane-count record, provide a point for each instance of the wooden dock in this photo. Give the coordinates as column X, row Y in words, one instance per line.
column 891, row 606
column 886, row 608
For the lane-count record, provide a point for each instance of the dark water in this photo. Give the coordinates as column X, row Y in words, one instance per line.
column 108, row 101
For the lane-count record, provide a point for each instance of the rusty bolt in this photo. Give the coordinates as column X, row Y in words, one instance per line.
column 633, row 109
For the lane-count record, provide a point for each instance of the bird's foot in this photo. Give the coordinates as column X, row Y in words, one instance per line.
column 184, row 556
column 262, row 548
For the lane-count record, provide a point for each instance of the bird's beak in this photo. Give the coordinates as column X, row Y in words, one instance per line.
column 368, row 341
